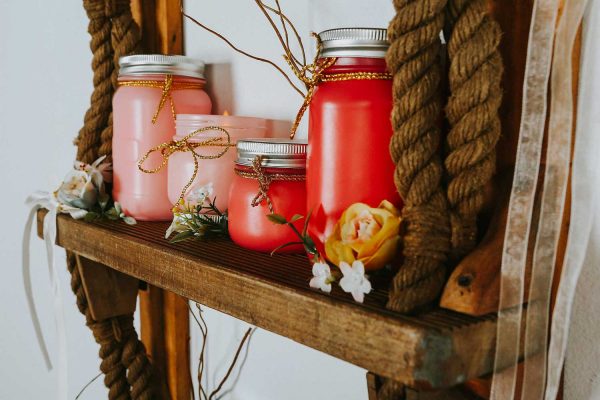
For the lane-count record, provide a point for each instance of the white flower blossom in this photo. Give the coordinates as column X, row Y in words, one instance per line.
column 322, row 277
column 177, row 225
column 198, row 194
column 78, row 190
column 355, row 281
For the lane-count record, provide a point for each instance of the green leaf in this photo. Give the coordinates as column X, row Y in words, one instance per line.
column 112, row 214
column 305, row 229
column 180, row 237
column 296, row 218
column 103, row 199
column 310, row 245
column 284, row 246
column 129, row 220
column 91, row 216
column 277, row 219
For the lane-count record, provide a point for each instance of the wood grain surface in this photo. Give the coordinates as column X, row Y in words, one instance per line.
column 436, row 349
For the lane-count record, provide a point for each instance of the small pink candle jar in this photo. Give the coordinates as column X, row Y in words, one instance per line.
column 152, row 88
column 218, row 172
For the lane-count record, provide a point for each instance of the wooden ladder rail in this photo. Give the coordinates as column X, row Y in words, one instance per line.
column 165, row 327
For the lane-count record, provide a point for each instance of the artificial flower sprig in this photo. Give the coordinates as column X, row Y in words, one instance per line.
column 83, row 194
column 197, row 216
column 304, row 238
column 364, row 239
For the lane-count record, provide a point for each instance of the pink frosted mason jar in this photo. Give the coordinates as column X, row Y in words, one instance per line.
column 152, row 88
column 217, row 173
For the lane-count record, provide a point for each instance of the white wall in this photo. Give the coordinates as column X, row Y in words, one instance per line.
column 45, row 83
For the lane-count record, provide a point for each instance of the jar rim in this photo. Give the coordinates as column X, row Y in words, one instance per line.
column 146, row 64
column 274, row 153
column 354, row 42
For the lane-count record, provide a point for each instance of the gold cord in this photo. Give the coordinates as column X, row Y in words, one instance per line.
column 312, row 75
column 167, row 87
column 184, row 145
column 264, row 181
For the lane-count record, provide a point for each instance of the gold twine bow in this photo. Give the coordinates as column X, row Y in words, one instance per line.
column 167, row 87
column 184, row 145
column 312, row 75
column 264, row 181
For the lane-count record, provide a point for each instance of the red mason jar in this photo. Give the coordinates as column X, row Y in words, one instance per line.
column 270, row 178
column 349, row 131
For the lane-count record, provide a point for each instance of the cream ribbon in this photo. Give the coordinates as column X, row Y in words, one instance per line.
column 554, row 193
column 585, row 181
column 35, row 202
column 514, row 257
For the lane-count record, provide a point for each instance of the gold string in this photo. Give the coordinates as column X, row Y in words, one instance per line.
column 313, row 75
column 264, row 181
column 167, row 87
column 184, row 145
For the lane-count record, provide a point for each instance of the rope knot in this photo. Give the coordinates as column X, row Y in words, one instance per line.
column 264, row 183
column 167, row 149
column 265, row 179
column 166, row 95
column 167, row 87
column 312, row 75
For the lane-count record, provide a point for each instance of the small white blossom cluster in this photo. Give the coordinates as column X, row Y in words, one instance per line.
column 354, row 280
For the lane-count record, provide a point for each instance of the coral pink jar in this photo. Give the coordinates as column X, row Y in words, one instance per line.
column 282, row 166
column 216, row 172
column 350, row 130
column 151, row 89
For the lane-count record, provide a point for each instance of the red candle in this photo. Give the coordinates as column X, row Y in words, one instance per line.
column 349, row 133
column 270, row 178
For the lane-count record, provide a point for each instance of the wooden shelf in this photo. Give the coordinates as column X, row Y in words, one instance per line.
column 437, row 349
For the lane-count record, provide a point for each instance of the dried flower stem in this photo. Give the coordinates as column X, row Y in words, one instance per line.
column 284, row 42
column 284, row 20
column 230, row 370
column 201, row 322
column 204, row 329
column 234, row 47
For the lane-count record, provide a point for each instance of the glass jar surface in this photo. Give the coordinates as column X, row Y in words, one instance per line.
column 249, row 226
column 348, row 159
column 215, row 172
column 142, row 195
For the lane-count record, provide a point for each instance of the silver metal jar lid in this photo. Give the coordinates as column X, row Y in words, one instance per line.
column 142, row 64
column 354, row 42
column 276, row 153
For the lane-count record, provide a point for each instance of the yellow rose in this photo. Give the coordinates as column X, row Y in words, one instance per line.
column 366, row 234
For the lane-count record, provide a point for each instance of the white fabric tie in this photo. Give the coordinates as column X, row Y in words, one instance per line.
column 35, row 202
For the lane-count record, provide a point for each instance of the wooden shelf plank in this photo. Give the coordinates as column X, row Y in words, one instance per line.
column 434, row 350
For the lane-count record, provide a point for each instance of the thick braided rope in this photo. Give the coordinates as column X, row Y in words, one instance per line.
column 125, row 40
column 114, row 33
column 95, row 121
column 413, row 59
column 96, row 117
column 140, row 372
column 472, row 110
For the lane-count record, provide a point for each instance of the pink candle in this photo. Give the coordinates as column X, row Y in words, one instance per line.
column 217, row 172
column 152, row 88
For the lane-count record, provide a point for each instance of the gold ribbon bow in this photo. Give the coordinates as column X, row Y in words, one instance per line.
column 312, row 75
column 184, row 145
column 167, row 87
column 264, row 181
